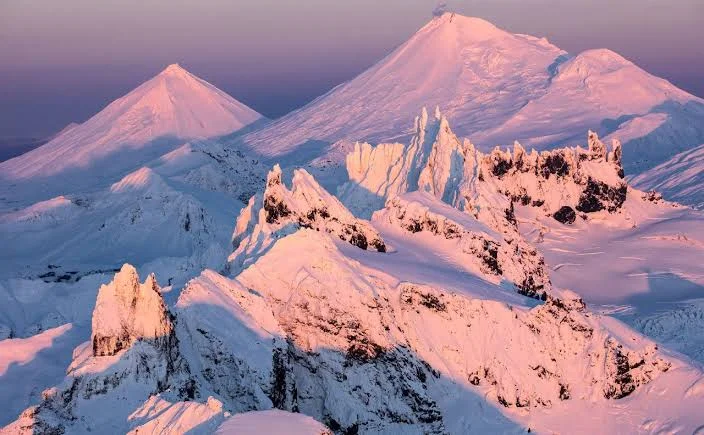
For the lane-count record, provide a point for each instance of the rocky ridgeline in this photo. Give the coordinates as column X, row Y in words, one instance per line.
column 322, row 335
column 380, row 350
column 561, row 182
column 495, row 256
column 280, row 211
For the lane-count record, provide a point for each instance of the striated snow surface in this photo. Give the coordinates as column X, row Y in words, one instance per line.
column 271, row 422
column 679, row 179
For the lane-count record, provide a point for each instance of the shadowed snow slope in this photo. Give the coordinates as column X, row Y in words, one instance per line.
column 679, row 179
column 271, row 422
column 163, row 112
column 496, row 87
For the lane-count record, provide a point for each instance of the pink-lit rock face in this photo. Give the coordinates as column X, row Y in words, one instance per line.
column 127, row 311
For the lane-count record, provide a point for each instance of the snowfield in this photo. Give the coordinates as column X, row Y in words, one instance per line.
column 167, row 272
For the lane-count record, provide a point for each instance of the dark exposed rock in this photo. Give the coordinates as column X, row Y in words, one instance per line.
column 652, row 196
column 510, row 215
column 187, row 223
column 532, row 289
column 501, row 167
column 275, row 209
column 565, row 215
column 599, row 196
column 556, row 164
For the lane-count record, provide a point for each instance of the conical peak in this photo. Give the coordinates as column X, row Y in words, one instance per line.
column 174, row 69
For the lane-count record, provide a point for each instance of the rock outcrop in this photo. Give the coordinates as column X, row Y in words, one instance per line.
column 127, row 311
column 280, row 211
column 495, row 256
column 485, row 185
column 133, row 354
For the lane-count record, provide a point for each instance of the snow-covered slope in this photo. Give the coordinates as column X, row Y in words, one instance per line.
column 271, row 422
column 177, row 211
column 488, row 253
column 466, row 65
column 495, row 87
column 643, row 267
column 369, row 342
column 679, row 179
column 169, row 109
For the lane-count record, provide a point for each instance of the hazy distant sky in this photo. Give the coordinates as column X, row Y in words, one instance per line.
column 64, row 60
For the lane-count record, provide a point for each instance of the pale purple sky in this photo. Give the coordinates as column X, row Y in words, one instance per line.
column 64, row 60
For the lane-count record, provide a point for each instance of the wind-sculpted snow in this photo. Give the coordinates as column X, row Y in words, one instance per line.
column 280, row 211
column 488, row 186
column 434, row 161
column 495, row 256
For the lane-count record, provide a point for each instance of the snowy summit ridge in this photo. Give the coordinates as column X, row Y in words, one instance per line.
column 495, row 87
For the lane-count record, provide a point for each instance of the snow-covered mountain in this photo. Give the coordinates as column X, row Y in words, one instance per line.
column 431, row 285
column 141, row 182
column 365, row 341
column 165, row 112
column 175, row 213
column 495, row 87
column 562, row 182
column 167, row 207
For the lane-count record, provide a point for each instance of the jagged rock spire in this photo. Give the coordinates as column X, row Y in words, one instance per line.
column 127, row 311
column 597, row 149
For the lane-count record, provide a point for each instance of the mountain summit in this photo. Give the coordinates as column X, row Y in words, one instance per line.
column 171, row 107
column 496, row 87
